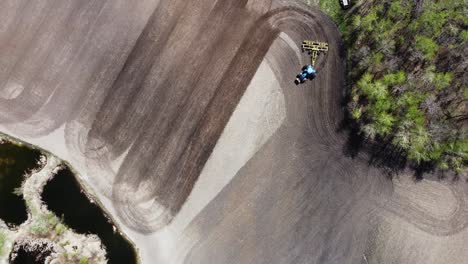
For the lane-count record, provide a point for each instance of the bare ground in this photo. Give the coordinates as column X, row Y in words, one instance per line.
column 140, row 92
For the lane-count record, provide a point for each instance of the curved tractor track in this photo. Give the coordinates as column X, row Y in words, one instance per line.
column 139, row 92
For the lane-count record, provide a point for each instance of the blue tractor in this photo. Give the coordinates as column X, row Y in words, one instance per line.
column 308, row 72
column 313, row 48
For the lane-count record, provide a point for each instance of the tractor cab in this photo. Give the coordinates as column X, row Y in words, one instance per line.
column 308, row 72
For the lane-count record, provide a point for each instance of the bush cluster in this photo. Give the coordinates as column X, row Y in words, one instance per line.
column 407, row 76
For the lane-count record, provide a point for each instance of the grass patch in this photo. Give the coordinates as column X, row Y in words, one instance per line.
column 2, row 242
column 333, row 9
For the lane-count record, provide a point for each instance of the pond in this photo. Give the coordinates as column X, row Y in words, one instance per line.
column 64, row 197
column 15, row 161
column 31, row 255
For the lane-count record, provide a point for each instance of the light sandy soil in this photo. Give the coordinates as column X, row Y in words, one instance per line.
column 182, row 118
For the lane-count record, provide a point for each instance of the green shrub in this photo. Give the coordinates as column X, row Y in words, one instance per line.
column 333, row 9
column 44, row 223
column 384, row 123
column 394, row 78
column 368, row 22
column 427, row 46
column 357, row 113
column 59, row 229
column 39, row 227
column 377, row 58
column 395, row 11
column 431, row 21
column 442, row 80
column 52, row 219
column 464, row 35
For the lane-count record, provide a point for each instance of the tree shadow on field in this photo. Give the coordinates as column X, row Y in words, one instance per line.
column 383, row 155
column 423, row 168
column 391, row 160
column 379, row 153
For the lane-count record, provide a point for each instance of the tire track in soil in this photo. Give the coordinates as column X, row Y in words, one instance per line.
column 163, row 99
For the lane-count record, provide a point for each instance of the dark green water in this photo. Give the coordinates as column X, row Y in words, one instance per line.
column 25, row 258
column 15, row 161
column 38, row 256
column 63, row 196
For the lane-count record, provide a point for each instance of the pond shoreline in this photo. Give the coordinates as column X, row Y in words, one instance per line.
column 84, row 188
column 16, row 163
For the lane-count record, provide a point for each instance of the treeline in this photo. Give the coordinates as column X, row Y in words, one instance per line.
column 407, row 62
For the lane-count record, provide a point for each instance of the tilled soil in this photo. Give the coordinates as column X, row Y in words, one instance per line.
column 152, row 84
